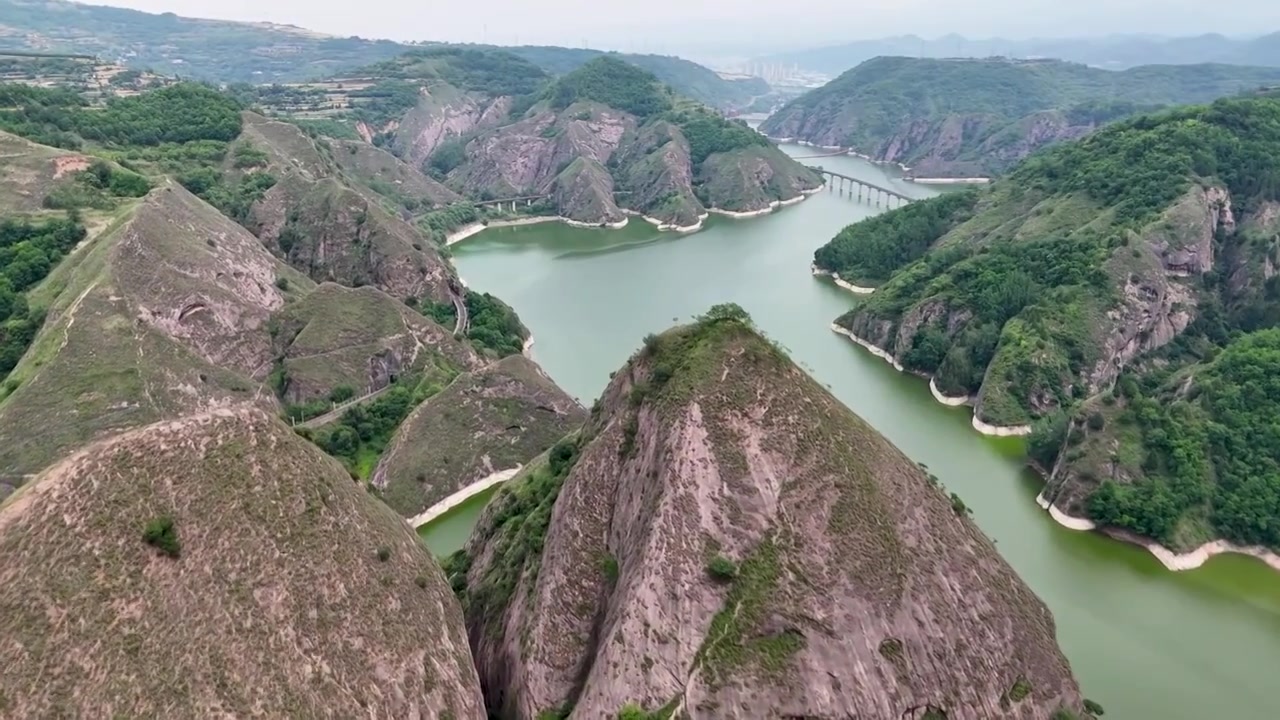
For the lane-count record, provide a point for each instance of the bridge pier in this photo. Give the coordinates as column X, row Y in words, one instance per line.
column 879, row 196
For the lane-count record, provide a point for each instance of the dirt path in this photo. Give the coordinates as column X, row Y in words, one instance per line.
column 336, row 413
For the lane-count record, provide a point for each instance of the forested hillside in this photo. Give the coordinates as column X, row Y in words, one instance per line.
column 979, row 117
column 1116, row 293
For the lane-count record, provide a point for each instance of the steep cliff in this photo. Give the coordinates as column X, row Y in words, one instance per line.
column 219, row 563
column 1082, row 300
column 725, row 539
column 494, row 419
column 967, row 118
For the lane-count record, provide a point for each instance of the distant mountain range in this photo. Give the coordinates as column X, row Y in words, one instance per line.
column 1114, row 52
column 233, row 52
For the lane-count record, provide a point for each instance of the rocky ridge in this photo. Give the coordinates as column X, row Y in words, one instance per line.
column 715, row 465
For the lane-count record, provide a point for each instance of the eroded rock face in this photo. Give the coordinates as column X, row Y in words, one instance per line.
column 528, row 157
column 726, row 540
column 331, row 232
column 443, row 115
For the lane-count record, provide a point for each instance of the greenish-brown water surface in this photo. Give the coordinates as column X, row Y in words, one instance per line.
column 1147, row 643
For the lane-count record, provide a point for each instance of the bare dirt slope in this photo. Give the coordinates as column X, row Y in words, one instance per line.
column 727, row 540
column 294, row 594
column 487, row 421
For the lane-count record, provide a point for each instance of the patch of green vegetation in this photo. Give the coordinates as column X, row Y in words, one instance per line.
column 1020, row 690
column 708, row 133
column 1212, row 448
column 439, row 223
column 1093, row 708
column 867, row 253
column 518, row 519
column 384, row 101
column 722, row 569
column 162, row 534
column 494, row 327
column 610, row 81
column 99, row 187
column 234, row 197
column 609, row 566
column 632, row 711
column 335, row 129
column 28, row 253
column 176, row 114
column 731, row 643
column 359, row 437
column 247, row 156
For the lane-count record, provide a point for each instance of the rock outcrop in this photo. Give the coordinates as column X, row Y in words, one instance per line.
column 725, row 539
column 335, row 230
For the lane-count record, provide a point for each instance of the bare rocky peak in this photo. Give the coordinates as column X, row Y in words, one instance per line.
column 220, row 565
column 725, row 539
column 322, row 220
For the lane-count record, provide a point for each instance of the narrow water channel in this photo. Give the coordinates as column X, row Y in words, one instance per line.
column 1146, row 643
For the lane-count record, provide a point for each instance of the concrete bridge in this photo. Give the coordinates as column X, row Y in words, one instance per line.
column 525, row 200
column 874, row 193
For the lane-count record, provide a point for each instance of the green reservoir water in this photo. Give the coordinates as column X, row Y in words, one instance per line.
column 1146, row 643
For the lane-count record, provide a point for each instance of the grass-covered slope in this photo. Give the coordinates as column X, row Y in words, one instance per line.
column 218, row 563
column 355, row 341
column 493, row 419
column 979, row 117
column 1137, row 255
column 163, row 314
column 329, row 225
column 724, row 538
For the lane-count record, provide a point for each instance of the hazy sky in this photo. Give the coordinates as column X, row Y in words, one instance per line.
column 677, row 25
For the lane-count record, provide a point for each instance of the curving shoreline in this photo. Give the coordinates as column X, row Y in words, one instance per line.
column 835, row 277
column 948, row 400
column 873, row 349
column 1000, row 430
column 664, row 226
column 1065, row 520
column 1174, row 561
column 462, row 496
column 473, row 229
column 980, row 426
